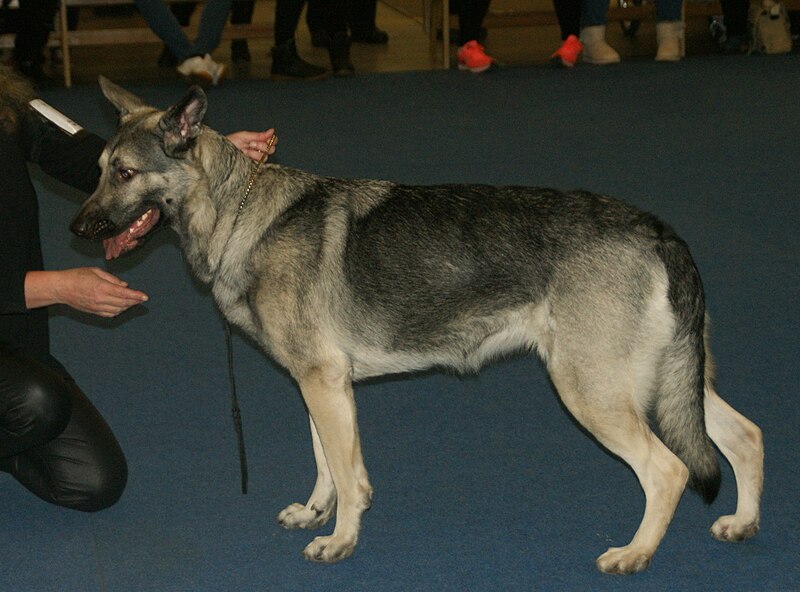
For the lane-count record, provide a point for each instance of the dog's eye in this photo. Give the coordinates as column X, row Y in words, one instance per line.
column 125, row 174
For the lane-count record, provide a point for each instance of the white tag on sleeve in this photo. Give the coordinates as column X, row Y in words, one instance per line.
column 53, row 115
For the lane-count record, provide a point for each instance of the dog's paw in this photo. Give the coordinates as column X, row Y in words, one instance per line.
column 623, row 560
column 731, row 530
column 299, row 516
column 329, row 549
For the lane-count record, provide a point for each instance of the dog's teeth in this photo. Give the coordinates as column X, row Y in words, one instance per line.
column 142, row 219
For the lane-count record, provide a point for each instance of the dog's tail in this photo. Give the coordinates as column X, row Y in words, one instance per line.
column 679, row 407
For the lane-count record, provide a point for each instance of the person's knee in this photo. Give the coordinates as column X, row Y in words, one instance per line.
column 104, row 486
column 38, row 406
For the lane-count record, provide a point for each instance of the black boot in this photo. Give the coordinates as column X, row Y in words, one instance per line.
column 240, row 51
column 288, row 65
column 319, row 38
column 339, row 50
column 373, row 36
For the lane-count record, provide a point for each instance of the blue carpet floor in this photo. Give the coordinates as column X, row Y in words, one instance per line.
column 481, row 483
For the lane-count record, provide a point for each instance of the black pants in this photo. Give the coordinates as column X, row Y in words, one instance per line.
column 470, row 18
column 53, row 440
column 35, row 23
column 332, row 15
column 568, row 13
column 736, row 16
column 360, row 16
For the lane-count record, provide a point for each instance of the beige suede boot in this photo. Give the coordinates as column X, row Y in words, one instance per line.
column 595, row 48
column 669, row 35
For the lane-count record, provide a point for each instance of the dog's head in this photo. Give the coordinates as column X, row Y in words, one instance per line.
column 147, row 170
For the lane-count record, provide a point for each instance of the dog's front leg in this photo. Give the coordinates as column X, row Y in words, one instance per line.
column 319, row 508
column 328, row 393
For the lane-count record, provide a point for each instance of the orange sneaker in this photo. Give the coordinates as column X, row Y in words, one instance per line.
column 568, row 54
column 472, row 57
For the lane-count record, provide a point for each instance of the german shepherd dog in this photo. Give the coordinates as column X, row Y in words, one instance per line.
column 340, row 280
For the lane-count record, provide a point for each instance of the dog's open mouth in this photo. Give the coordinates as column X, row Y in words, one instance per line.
column 133, row 236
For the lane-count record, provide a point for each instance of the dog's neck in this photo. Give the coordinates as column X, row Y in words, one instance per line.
column 251, row 179
column 227, row 175
column 222, row 176
column 227, row 169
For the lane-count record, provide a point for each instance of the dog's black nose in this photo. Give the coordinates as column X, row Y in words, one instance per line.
column 80, row 227
column 92, row 229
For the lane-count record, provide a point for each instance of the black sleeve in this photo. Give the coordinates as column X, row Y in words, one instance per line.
column 71, row 159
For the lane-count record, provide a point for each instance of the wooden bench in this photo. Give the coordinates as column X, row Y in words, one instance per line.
column 437, row 12
column 140, row 33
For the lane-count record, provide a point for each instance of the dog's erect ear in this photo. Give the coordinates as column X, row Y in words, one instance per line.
column 182, row 123
column 124, row 101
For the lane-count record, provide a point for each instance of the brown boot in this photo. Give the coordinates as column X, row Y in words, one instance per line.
column 669, row 35
column 595, row 48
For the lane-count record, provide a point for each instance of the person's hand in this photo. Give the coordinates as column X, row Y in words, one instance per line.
column 87, row 289
column 254, row 144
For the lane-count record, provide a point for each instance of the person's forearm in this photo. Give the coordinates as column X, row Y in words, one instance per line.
column 41, row 289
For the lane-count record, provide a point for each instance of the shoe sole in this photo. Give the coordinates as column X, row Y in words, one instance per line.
column 202, row 79
column 601, row 62
column 288, row 78
column 559, row 61
column 476, row 69
column 220, row 75
column 369, row 41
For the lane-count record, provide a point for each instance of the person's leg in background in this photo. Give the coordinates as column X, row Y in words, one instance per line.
column 568, row 13
column 334, row 14
column 596, row 50
column 183, row 12
column 471, row 54
column 286, row 62
column 241, row 14
column 36, row 21
column 163, row 22
column 195, row 61
column 669, row 30
column 361, row 18
column 315, row 21
column 212, row 22
column 737, row 29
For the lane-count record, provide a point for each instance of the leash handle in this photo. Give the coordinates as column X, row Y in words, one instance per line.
column 265, row 153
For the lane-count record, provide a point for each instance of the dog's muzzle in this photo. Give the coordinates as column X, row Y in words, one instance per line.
column 93, row 229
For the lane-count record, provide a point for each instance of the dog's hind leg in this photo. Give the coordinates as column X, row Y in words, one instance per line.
column 320, row 505
column 740, row 440
column 328, row 394
column 613, row 419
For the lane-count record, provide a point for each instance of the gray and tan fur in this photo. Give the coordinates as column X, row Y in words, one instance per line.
column 340, row 280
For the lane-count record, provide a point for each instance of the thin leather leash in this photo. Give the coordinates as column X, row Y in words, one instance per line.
column 237, row 416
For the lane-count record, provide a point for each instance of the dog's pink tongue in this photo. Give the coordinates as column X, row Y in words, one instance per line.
column 129, row 239
column 117, row 245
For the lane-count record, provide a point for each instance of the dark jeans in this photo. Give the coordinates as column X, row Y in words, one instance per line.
column 53, row 440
